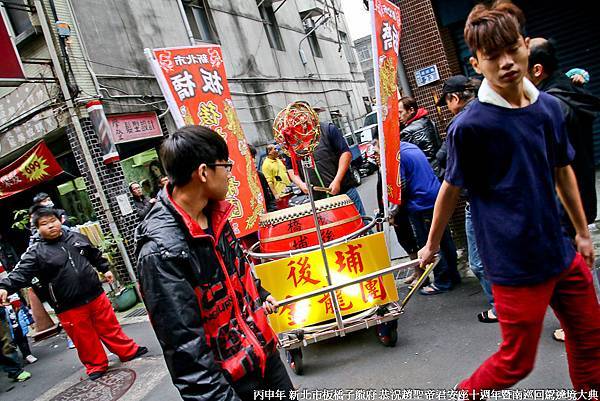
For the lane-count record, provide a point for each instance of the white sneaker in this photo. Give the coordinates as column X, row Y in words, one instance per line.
column 31, row 359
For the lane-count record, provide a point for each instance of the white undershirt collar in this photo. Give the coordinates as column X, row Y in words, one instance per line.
column 487, row 95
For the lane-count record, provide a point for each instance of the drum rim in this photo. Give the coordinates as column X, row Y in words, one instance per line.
column 310, row 230
column 322, row 205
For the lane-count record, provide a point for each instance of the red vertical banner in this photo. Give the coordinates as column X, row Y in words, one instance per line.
column 194, row 83
column 385, row 41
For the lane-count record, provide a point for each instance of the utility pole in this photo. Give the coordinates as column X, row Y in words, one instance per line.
column 89, row 162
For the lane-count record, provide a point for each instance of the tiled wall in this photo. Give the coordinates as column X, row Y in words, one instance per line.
column 113, row 182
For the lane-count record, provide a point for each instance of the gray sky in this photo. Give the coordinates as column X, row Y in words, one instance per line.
column 358, row 19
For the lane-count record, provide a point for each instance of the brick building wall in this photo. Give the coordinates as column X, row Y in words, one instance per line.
column 113, row 183
column 421, row 46
column 451, row 51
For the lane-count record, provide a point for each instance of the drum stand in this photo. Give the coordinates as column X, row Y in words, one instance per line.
column 380, row 315
column 306, row 163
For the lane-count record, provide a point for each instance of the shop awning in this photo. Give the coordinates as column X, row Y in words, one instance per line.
column 35, row 166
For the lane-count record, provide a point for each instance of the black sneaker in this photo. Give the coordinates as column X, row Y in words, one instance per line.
column 96, row 375
column 140, row 351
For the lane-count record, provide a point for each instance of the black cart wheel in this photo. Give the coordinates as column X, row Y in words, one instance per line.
column 294, row 357
column 387, row 333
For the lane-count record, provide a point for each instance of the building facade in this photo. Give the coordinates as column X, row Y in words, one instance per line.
column 365, row 57
column 275, row 52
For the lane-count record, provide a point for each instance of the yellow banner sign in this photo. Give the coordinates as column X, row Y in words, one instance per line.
column 303, row 273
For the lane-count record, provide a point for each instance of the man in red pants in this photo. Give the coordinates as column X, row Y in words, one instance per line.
column 60, row 267
column 511, row 151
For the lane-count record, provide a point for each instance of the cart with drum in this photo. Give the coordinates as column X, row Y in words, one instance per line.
column 328, row 267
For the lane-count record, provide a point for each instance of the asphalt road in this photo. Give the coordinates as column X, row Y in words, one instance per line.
column 440, row 342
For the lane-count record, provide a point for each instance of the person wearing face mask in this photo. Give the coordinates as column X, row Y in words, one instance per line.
column 66, row 266
column 43, row 199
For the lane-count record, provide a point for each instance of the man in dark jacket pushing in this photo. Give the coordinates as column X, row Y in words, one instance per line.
column 60, row 267
column 203, row 301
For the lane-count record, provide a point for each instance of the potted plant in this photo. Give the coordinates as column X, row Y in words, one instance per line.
column 123, row 297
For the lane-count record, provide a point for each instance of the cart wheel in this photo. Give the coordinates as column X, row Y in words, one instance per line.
column 294, row 358
column 387, row 333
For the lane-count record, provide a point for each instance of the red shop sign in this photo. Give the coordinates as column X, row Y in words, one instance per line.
column 133, row 127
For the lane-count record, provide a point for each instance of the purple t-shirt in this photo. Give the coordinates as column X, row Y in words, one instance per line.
column 505, row 158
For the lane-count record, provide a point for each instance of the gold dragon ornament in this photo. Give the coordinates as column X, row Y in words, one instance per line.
column 233, row 125
column 388, row 80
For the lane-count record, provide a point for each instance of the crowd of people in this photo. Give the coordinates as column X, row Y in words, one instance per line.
column 518, row 149
column 62, row 268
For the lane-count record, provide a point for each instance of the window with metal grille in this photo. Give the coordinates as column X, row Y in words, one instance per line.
column 18, row 19
column 314, row 45
column 271, row 27
column 348, row 50
column 364, row 52
column 200, row 20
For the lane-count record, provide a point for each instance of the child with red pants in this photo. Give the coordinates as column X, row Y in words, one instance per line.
column 61, row 268
column 511, row 151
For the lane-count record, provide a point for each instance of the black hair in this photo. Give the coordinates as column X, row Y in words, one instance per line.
column 409, row 103
column 183, row 151
column 544, row 53
column 38, row 212
column 40, row 197
column 155, row 163
column 252, row 150
column 131, row 184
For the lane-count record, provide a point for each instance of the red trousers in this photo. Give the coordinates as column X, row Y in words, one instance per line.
column 521, row 313
column 94, row 324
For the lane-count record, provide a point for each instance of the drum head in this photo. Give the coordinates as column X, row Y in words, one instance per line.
column 279, row 216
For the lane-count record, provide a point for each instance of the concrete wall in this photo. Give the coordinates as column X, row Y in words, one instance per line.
column 262, row 80
column 115, row 34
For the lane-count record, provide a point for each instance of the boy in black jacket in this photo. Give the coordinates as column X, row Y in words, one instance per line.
column 61, row 267
column 207, row 310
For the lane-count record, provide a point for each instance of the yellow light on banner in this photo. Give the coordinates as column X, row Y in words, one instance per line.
column 302, row 311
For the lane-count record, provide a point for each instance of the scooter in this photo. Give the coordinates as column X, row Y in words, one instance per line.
column 369, row 164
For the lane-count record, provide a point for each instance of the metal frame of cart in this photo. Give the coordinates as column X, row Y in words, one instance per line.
column 291, row 341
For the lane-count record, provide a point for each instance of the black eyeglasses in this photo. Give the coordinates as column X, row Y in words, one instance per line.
column 228, row 166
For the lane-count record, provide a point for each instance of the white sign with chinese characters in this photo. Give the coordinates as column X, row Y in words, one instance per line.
column 427, row 75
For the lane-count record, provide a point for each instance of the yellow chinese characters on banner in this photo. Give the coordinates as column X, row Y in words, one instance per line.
column 194, row 82
column 303, row 273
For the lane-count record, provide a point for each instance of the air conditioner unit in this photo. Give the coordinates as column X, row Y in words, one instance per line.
column 310, row 8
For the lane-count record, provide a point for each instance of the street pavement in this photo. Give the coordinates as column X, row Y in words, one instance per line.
column 440, row 342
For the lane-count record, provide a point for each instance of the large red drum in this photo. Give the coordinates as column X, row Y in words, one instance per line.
column 294, row 228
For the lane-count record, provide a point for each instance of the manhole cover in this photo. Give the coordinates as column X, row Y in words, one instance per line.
column 137, row 312
column 109, row 387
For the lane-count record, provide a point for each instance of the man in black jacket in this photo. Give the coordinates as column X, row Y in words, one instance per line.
column 418, row 129
column 203, row 301
column 332, row 158
column 579, row 108
column 141, row 202
column 60, row 267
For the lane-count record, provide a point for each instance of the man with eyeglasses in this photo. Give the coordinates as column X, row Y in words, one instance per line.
column 202, row 299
